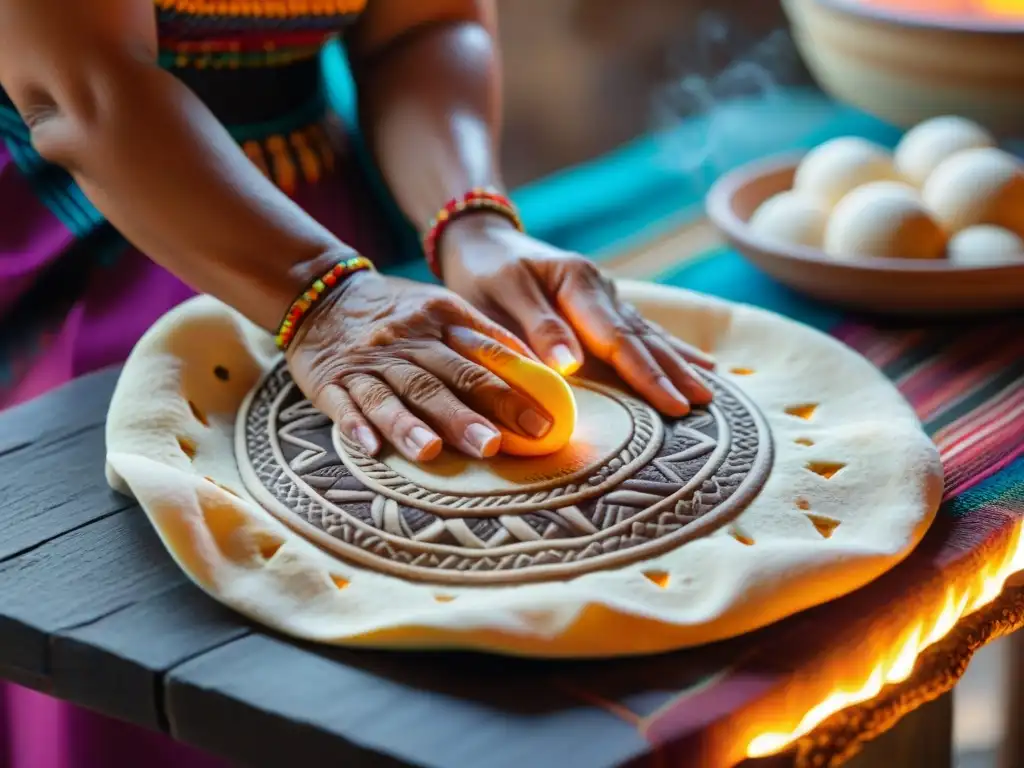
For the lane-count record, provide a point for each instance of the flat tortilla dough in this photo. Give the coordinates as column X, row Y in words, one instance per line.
column 838, row 485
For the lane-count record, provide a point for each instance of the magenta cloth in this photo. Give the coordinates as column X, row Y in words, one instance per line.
column 119, row 301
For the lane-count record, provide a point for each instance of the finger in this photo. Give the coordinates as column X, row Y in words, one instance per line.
column 483, row 324
column 641, row 371
column 335, row 402
column 612, row 339
column 404, row 430
column 460, row 425
column 545, row 329
column 689, row 352
column 679, row 372
column 467, row 368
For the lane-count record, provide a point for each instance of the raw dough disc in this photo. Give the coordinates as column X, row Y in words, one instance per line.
column 807, row 478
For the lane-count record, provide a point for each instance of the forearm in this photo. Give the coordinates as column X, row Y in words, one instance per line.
column 159, row 166
column 430, row 109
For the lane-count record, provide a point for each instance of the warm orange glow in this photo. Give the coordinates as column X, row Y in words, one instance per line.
column 898, row 666
column 959, row 9
column 546, row 387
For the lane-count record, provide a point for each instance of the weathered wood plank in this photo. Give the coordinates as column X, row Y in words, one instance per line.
column 51, row 465
column 79, row 404
column 93, row 571
column 268, row 702
column 115, row 665
column 92, row 608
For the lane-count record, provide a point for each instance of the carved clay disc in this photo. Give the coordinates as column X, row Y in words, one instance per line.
column 808, row 477
column 628, row 487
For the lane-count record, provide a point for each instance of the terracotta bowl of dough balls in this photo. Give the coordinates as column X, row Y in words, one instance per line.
column 936, row 228
column 908, row 60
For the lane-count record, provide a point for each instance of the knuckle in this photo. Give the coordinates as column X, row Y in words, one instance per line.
column 621, row 333
column 347, row 421
column 418, row 385
column 440, row 305
column 506, row 405
column 514, row 271
column 383, row 337
column 588, row 273
column 403, row 423
column 582, row 266
column 371, row 394
column 469, row 377
column 547, row 325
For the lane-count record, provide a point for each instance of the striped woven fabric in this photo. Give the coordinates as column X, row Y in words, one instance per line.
column 966, row 384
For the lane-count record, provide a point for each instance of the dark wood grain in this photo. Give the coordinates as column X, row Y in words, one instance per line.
column 53, row 487
column 92, row 608
column 93, row 571
column 51, row 465
column 115, row 665
column 82, row 403
column 265, row 701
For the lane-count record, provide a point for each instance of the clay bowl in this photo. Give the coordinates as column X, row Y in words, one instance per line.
column 905, row 66
column 891, row 286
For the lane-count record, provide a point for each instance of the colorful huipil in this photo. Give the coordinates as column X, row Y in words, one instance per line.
column 74, row 296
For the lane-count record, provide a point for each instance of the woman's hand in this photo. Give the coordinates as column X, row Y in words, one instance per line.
column 390, row 356
column 563, row 306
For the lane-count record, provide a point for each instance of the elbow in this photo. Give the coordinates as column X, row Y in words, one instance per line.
column 54, row 133
column 68, row 114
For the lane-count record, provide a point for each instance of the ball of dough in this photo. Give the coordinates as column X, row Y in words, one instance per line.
column 984, row 245
column 831, row 170
column 926, row 145
column 977, row 186
column 791, row 217
column 547, row 388
column 884, row 219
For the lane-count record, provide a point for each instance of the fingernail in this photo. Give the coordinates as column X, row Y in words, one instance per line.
column 365, row 437
column 565, row 361
column 534, row 423
column 670, row 389
column 419, row 439
column 703, row 391
column 482, row 440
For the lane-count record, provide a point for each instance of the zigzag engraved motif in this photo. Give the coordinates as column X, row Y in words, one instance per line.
column 703, row 467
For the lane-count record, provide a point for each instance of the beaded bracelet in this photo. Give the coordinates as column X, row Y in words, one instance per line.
column 317, row 290
column 478, row 199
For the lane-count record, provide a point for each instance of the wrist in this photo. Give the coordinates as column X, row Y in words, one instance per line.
column 480, row 213
column 331, row 279
column 466, row 231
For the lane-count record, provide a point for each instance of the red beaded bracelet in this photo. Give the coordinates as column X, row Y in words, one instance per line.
column 478, row 199
column 316, row 291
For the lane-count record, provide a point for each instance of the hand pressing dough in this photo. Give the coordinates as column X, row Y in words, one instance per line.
column 978, row 186
column 985, row 245
column 808, row 477
column 833, row 169
column 925, row 146
column 549, row 390
column 791, row 217
column 885, row 219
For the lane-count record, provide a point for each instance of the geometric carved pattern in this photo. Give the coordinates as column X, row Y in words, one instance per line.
column 672, row 481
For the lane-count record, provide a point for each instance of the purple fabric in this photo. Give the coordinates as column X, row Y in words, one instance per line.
column 118, row 304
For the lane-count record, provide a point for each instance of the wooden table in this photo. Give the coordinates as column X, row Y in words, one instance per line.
column 92, row 610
